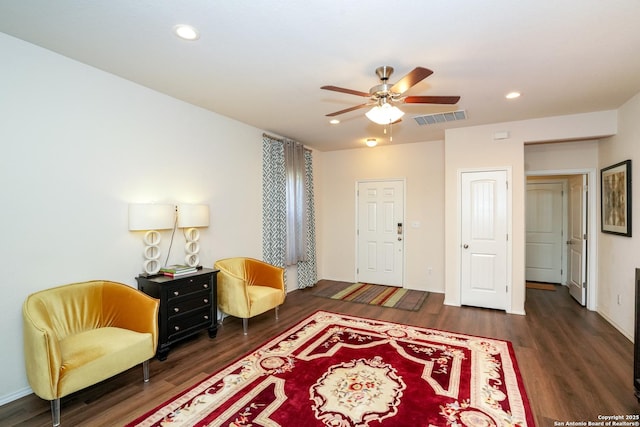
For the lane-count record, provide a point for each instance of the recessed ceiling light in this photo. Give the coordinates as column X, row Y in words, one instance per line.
column 512, row 95
column 371, row 142
column 334, row 121
column 186, row 32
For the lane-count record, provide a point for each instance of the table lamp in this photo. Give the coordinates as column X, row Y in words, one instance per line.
column 151, row 217
column 191, row 217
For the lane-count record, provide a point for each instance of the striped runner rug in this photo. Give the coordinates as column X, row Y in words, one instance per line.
column 385, row 296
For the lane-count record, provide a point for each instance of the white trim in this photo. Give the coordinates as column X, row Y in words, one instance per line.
column 616, row 325
column 592, row 230
column 7, row 398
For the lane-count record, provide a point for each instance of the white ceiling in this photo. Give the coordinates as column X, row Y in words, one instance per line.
column 263, row 62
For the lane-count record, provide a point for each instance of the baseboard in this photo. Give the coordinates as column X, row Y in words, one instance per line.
column 615, row 325
column 15, row 395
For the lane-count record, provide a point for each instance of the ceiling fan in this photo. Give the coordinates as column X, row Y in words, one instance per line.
column 385, row 95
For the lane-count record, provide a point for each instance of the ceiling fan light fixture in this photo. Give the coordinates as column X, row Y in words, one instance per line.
column 334, row 121
column 371, row 142
column 384, row 114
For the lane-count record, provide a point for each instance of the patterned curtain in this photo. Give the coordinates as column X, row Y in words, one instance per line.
column 274, row 202
column 294, row 163
column 284, row 193
column 307, row 269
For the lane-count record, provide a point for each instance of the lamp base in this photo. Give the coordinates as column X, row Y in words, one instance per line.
column 192, row 247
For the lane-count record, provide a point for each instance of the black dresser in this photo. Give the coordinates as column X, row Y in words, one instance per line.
column 188, row 304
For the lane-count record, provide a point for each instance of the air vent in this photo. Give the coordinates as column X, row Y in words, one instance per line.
column 434, row 119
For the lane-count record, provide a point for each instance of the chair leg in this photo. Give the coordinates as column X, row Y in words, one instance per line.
column 245, row 325
column 277, row 308
column 55, row 412
column 145, row 371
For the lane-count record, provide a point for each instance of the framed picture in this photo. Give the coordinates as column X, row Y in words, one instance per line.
column 615, row 201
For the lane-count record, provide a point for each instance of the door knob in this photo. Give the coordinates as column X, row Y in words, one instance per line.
column 466, row 246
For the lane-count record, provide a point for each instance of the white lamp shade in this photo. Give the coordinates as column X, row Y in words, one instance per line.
column 384, row 114
column 151, row 216
column 191, row 216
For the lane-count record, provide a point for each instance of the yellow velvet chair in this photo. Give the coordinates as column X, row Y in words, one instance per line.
column 80, row 334
column 248, row 287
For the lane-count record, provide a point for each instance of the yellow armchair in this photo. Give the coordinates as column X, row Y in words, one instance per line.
column 80, row 334
column 248, row 287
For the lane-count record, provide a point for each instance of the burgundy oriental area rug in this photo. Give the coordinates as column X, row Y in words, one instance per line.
column 339, row 370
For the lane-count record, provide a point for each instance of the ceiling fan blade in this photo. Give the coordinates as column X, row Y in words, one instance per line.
column 343, row 90
column 431, row 99
column 346, row 110
column 414, row 77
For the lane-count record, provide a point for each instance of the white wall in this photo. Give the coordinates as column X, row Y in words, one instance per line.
column 571, row 155
column 475, row 147
column 421, row 165
column 77, row 146
column 620, row 256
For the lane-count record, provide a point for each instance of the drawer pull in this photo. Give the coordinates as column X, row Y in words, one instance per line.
column 206, row 286
column 176, row 309
column 176, row 293
column 206, row 317
column 206, row 301
column 177, row 328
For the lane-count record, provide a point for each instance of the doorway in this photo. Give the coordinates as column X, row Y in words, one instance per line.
column 579, row 231
column 546, row 228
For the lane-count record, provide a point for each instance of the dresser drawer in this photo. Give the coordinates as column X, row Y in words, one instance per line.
column 185, row 324
column 188, row 286
column 183, row 304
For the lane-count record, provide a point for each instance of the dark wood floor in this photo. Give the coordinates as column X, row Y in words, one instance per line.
column 575, row 366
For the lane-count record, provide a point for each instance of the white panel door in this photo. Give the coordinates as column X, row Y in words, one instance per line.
column 544, row 232
column 380, row 231
column 577, row 280
column 484, row 239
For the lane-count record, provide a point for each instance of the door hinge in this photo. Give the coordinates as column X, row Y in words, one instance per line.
column 584, row 236
column 584, row 284
column 507, row 184
column 507, row 237
column 507, row 288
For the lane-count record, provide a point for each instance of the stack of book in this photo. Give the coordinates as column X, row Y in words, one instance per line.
column 177, row 270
